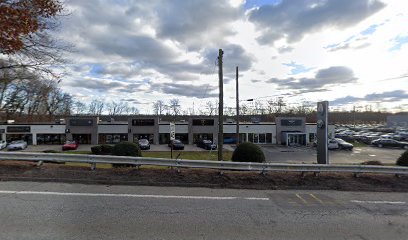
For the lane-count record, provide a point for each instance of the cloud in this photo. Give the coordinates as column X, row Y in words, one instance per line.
column 292, row 20
column 297, row 68
column 103, row 86
column 186, row 90
column 391, row 96
column 324, row 77
column 197, row 21
column 234, row 55
column 398, row 42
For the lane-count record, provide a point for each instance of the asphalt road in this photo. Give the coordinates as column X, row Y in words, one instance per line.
column 74, row 211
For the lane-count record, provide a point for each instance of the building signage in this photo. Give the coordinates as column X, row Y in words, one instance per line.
column 18, row 129
column 81, row 122
column 203, row 122
column 291, row 122
column 172, row 131
column 322, row 132
column 142, row 122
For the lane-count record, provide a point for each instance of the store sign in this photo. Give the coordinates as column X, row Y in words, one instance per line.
column 142, row 122
column 81, row 122
column 172, row 131
column 18, row 129
column 322, row 132
column 291, row 122
column 203, row 122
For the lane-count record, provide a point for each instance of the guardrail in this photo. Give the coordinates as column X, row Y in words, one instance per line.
column 241, row 166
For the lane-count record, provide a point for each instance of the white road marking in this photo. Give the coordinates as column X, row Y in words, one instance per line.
column 378, row 202
column 372, row 155
column 130, row 195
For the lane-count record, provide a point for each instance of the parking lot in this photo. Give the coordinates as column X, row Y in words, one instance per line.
column 280, row 154
column 308, row 155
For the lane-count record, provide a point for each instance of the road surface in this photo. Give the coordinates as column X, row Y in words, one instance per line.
column 30, row 210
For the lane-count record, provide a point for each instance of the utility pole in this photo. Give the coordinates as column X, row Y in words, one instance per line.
column 237, row 103
column 220, row 106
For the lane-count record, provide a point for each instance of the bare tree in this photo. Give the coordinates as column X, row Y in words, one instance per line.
column 159, row 107
column 175, row 107
column 116, row 108
column 96, row 107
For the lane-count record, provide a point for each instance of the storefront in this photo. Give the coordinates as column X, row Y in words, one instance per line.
column 260, row 138
column 112, row 138
column 138, row 136
column 82, row 138
column 50, row 139
column 19, row 133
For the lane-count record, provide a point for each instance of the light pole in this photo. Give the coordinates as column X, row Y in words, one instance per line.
column 237, row 116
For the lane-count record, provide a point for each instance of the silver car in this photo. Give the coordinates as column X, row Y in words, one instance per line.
column 3, row 144
column 17, row 145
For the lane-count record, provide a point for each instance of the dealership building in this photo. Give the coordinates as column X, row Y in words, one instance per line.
column 91, row 130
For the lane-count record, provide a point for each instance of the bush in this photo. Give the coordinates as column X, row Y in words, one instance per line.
column 96, row 149
column 372, row 162
column 126, row 149
column 51, row 151
column 403, row 159
column 248, row 152
column 106, row 149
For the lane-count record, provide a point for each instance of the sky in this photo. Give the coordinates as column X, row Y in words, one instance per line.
column 352, row 53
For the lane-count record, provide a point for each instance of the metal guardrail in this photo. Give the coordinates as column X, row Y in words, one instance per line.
column 241, row 166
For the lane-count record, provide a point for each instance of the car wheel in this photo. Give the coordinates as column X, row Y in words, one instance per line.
column 380, row 145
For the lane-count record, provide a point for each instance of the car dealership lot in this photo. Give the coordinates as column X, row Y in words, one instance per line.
column 277, row 154
column 308, row 155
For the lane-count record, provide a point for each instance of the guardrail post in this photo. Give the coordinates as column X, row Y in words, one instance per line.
column 39, row 163
column 316, row 174
column 356, row 175
column 93, row 166
column 303, row 175
column 263, row 172
column 398, row 175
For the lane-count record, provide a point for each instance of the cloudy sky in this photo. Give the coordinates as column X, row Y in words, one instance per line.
column 349, row 52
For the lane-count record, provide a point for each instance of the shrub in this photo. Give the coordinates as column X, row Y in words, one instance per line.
column 372, row 162
column 403, row 159
column 96, row 149
column 248, row 152
column 51, row 151
column 126, row 149
column 106, row 149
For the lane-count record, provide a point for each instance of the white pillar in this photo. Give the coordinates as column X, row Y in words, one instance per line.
column 34, row 138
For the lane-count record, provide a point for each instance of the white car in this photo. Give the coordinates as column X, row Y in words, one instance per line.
column 17, row 145
column 3, row 144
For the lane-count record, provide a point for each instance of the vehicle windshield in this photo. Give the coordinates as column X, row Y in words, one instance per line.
column 70, row 142
column 176, row 141
column 144, row 141
column 17, row 141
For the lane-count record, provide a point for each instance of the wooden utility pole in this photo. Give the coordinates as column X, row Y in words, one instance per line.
column 220, row 107
column 237, row 104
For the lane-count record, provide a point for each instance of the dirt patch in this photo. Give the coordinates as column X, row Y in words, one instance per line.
column 27, row 171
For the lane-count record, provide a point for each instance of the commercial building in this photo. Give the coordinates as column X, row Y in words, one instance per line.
column 91, row 130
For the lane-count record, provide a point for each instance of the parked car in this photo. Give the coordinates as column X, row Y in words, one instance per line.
column 343, row 144
column 206, row 144
column 338, row 143
column 17, row 145
column 70, row 145
column 144, row 144
column 3, row 144
column 382, row 142
column 177, row 144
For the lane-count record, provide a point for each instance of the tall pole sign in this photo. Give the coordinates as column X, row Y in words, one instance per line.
column 322, row 132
